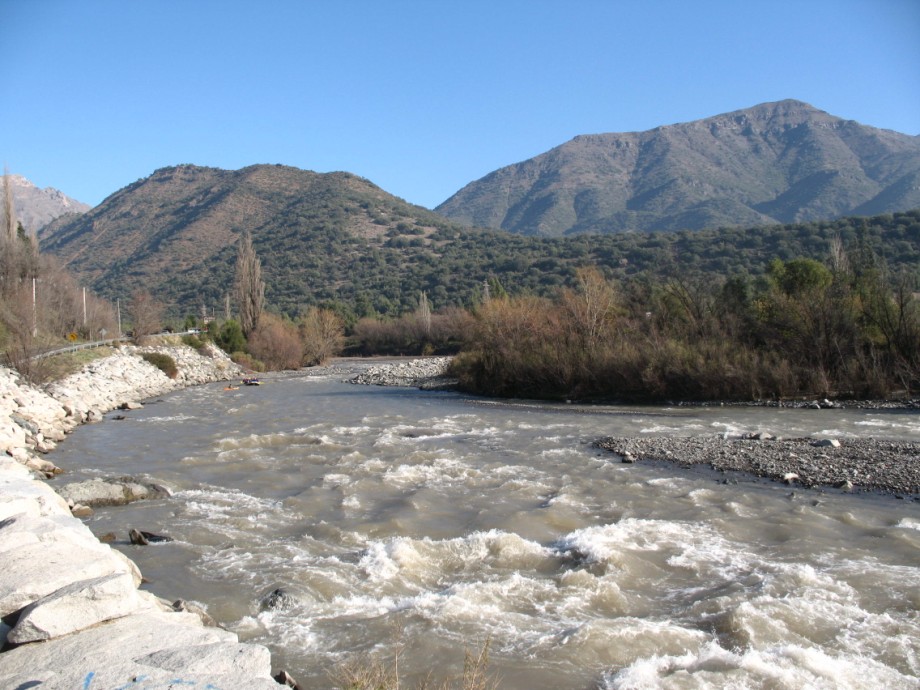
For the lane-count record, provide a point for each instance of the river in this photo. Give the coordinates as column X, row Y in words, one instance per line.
column 432, row 522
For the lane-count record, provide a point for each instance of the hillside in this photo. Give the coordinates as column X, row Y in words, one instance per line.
column 174, row 233
column 337, row 239
column 783, row 162
column 36, row 206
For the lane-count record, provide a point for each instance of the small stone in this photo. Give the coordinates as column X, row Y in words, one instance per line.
column 790, row 477
column 826, row 443
column 284, row 678
column 139, row 538
column 189, row 607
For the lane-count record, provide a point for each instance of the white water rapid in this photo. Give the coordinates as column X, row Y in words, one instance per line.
column 433, row 521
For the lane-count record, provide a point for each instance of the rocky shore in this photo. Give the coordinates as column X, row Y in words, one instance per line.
column 71, row 611
column 891, row 467
column 428, row 373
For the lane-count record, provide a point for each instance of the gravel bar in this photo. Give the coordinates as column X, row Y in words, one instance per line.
column 427, row 373
column 857, row 465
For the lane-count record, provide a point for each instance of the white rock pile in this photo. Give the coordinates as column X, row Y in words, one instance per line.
column 71, row 613
column 125, row 377
column 426, row 372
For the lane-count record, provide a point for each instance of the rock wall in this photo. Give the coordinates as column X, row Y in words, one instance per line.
column 71, row 613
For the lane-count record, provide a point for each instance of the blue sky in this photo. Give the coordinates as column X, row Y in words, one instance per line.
column 420, row 97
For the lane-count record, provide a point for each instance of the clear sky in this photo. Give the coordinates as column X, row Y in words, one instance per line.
column 419, row 96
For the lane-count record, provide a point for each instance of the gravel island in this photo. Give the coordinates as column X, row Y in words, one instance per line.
column 890, row 467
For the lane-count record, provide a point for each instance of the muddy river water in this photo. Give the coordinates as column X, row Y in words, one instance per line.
column 434, row 521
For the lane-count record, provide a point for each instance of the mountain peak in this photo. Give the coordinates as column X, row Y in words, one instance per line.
column 780, row 162
column 36, row 207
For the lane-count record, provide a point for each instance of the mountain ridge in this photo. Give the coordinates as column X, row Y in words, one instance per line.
column 37, row 206
column 773, row 163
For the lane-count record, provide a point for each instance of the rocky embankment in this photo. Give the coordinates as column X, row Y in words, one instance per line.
column 852, row 464
column 71, row 611
column 428, row 373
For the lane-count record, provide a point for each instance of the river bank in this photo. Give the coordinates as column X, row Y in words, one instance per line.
column 73, row 614
column 128, row 633
column 461, row 519
column 853, row 465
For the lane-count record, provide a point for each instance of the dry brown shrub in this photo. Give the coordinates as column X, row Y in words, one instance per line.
column 373, row 672
column 321, row 334
column 276, row 343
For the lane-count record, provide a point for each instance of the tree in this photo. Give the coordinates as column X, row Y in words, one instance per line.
column 321, row 335
column 230, row 337
column 276, row 343
column 250, row 289
column 423, row 314
column 146, row 315
column 591, row 308
column 20, row 342
column 8, row 222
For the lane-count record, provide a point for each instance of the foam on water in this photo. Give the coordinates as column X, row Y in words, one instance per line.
column 671, row 428
column 168, row 419
column 909, row 523
column 780, row 666
column 459, row 522
column 433, row 472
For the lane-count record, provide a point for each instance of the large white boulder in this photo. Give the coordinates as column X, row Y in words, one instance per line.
column 160, row 648
column 110, row 492
column 77, row 606
column 34, row 570
column 20, row 493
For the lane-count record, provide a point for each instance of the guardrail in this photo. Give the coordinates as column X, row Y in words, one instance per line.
column 80, row 346
column 103, row 343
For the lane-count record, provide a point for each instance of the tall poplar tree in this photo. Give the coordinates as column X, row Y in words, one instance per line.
column 250, row 289
column 9, row 225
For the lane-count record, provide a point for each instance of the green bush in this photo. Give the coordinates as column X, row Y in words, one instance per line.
column 164, row 363
column 230, row 338
column 193, row 341
column 247, row 361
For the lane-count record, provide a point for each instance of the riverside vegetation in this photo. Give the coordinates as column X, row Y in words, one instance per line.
column 584, row 321
column 804, row 329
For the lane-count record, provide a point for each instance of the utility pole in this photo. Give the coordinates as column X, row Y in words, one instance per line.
column 118, row 310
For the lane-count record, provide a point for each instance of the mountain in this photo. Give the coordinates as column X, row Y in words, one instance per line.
column 337, row 239
column 174, row 233
column 36, row 207
column 779, row 162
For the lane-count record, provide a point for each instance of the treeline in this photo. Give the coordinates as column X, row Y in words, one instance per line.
column 382, row 275
column 41, row 305
column 804, row 328
column 261, row 340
